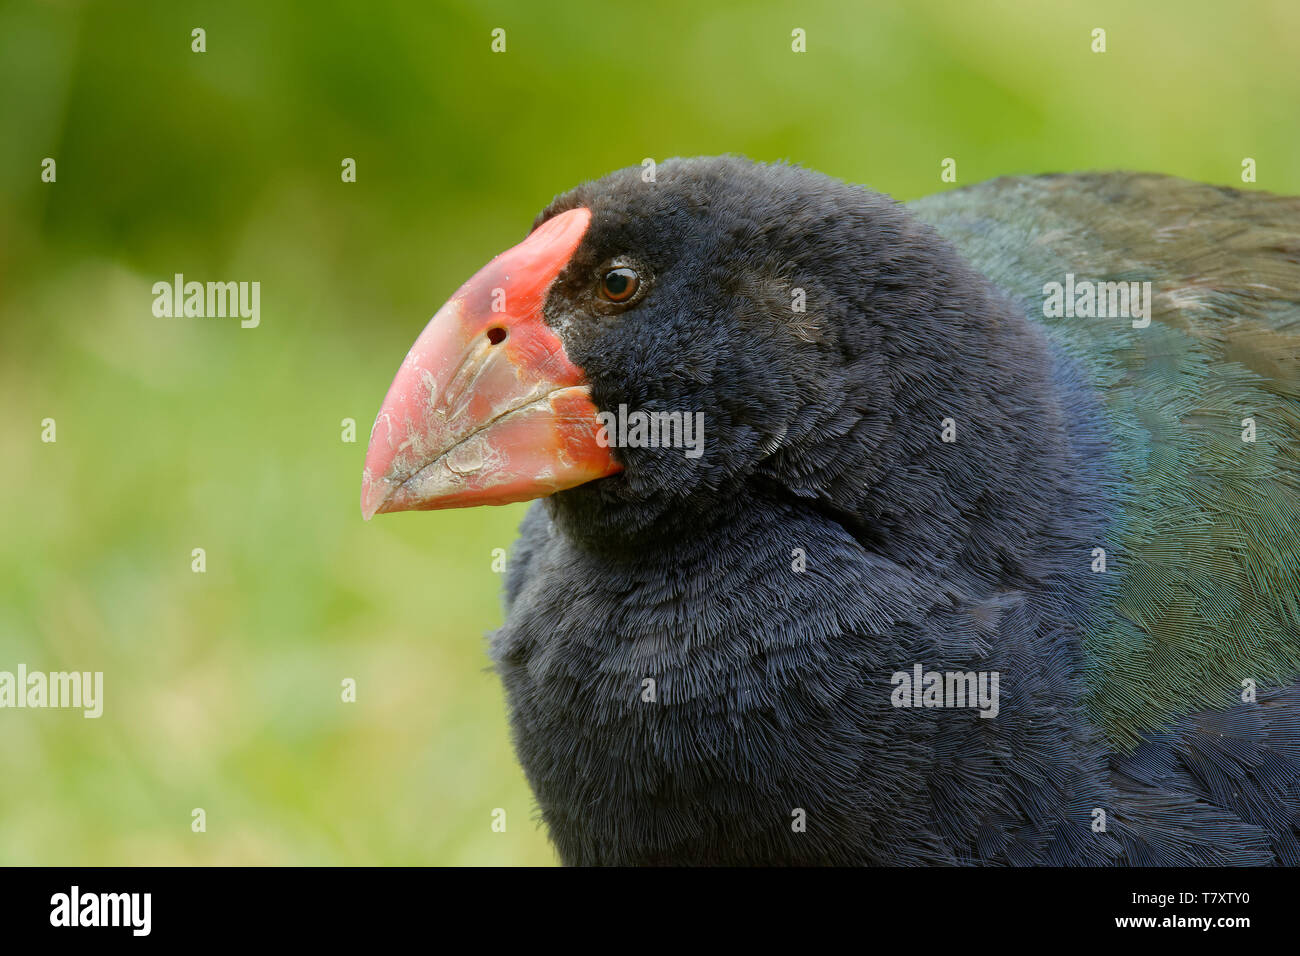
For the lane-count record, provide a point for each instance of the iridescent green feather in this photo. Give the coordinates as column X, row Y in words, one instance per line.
column 1206, row 543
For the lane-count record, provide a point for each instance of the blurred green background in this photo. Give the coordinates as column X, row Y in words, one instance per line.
column 223, row 688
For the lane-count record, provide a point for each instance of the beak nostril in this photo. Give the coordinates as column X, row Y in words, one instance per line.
column 496, row 335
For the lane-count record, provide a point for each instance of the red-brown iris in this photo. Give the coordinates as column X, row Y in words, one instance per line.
column 619, row 285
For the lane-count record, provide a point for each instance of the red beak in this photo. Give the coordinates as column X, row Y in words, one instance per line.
column 487, row 409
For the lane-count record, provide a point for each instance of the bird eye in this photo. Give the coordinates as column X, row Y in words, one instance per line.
column 619, row 285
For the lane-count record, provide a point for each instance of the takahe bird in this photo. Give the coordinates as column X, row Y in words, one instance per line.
column 930, row 447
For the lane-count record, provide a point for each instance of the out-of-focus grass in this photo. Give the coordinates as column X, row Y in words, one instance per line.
column 223, row 688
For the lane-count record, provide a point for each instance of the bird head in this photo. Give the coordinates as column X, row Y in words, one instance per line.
column 773, row 305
